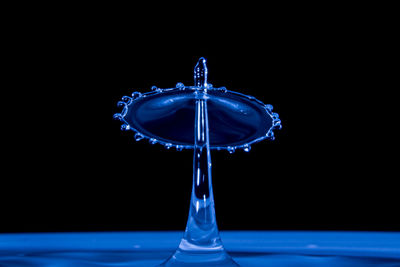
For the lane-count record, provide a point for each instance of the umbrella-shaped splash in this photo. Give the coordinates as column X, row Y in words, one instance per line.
column 201, row 118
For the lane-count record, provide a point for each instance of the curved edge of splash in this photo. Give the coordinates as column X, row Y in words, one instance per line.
column 126, row 101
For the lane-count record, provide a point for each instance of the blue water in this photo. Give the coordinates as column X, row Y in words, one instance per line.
column 248, row 248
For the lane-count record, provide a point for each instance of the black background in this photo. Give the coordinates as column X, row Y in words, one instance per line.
column 69, row 167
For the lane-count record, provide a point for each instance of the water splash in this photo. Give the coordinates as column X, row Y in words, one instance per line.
column 126, row 101
column 201, row 236
column 201, row 81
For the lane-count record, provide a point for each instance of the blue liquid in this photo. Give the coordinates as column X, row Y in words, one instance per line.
column 255, row 248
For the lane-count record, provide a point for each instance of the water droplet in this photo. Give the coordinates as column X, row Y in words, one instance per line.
column 180, row 86
column 136, row 95
column 125, row 127
column 275, row 116
column 223, row 89
column 179, row 147
column 154, row 88
column 121, row 104
column 276, row 122
column 231, row 150
column 269, row 107
column 126, row 99
column 153, row 141
column 117, row 116
column 209, row 86
column 247, row 148
column 138, row 137
column 270, row 135
column 168, row 146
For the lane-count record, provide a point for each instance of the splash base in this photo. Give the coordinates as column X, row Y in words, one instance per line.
column 200, row 258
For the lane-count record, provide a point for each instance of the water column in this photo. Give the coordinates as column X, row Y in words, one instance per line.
column 201, row 231
column 201, row 243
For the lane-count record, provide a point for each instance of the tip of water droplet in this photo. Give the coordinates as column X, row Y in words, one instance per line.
column 231, row 150
column 201, row 73
column 179, row 148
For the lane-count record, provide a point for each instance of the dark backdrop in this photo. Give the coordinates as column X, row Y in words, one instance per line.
column 69, row 167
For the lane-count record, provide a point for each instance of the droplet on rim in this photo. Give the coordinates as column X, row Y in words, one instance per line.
column 275, row 116
column 138, row 137
column 136, row 95
column 117, row 116
column 125, row 127
column 231, row 150
column 179, row 147
column 269, row 107
column 247, row 148
column 270, row 135
column 152, row 141
column 168, row 146
column 180, row 86
column 126, row 99
column 121, row 104
column 277, row 124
